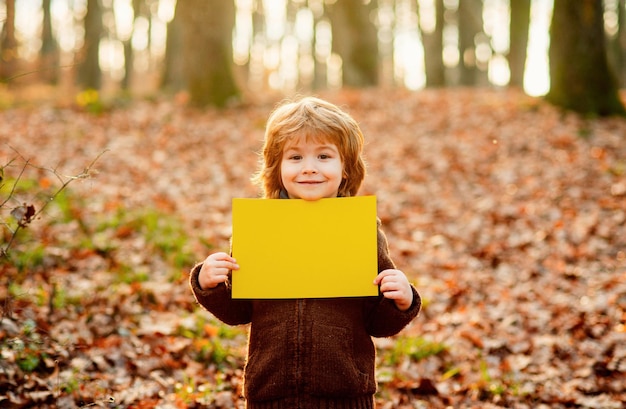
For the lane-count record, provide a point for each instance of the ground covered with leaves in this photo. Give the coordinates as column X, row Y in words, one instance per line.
column 507, row 214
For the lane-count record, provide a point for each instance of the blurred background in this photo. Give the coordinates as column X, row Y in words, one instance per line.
column 127, row 127
column 256, row 47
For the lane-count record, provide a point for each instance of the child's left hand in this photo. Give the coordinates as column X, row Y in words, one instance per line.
column 395, row 286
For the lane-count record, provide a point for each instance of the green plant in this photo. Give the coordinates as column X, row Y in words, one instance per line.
column 30, row 197
column 30, row 257
column 199, row 325
column 489, row 387
column 166, row 234
column 451, row 373
column 213, row 341
column 90, row 101
column 26, row 348
column 189, row 392
column 61, row 299
column 415, row 348
column 72, row 384
column 163, row 233
column 128, row 275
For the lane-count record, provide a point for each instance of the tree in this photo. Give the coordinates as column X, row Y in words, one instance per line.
column 519, row 25
column 319, row 70
column 129, row 54
column 355, row 39
column 8, row 44
column 49, row 53
column 580, row 76
column 207, row 51
column 173, row 78
column 470, row 26
column 619, row 43
column 433, row 49
column 89, row 72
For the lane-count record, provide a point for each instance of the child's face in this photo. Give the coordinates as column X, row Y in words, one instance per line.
column 311, row 168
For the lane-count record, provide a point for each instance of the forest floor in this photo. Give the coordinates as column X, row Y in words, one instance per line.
column 508, row 215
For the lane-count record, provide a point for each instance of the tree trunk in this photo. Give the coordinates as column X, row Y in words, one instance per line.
column 173, row 78
column 470, row 25
column 580, row 76
column 519, row 25
column 355, row 40
column 433, row 50
column 207, row 51
column 129, row 54
column 320, row 79
column 621, row 43
column 8, row 44
column 89, row 72
column 49, row 53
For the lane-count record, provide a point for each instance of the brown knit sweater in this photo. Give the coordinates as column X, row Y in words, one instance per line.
column 310, row 353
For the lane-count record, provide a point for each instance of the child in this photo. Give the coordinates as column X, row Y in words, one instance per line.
column 310, row 353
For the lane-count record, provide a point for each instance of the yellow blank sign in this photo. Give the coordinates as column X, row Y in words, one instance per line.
column 292, row 248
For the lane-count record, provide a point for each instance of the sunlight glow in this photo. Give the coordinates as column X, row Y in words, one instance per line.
column 166, row 10
column 242, row 38
column 275, row 11
column 409, row 58
column 323, row 40
column 427, row 15
column 498, row 72
column 334, row 65
column 124, row 18
column 408, row 51
column 611, row 19
column 496, row 19
column 158, row 37
column 141, row 33
column 304, row 25
column 288, row 70
column 286, row 56
column 112, row 58
column 66, row 34
column 28, row 35
column 451, row 54
column 536, row 74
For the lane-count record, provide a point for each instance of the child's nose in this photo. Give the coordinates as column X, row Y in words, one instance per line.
column 309, row 167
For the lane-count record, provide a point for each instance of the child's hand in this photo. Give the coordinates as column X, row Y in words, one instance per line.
column 395, row 286
column 215, row 270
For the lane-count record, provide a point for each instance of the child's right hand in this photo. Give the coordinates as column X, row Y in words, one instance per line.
column 215, row 270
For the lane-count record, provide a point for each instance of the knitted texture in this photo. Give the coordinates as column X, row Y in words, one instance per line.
column 310, row 353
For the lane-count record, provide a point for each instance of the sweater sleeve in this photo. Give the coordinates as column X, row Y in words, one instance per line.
column 219, row 301
column 384, row 318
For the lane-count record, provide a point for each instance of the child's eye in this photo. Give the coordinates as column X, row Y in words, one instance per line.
column 325, row 156
column 295, row 157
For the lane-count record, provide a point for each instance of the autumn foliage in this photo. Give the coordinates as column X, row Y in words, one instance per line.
column 507, row 214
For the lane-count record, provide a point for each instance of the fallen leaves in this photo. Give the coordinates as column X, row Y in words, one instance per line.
column 509, row 216
column 23, row 214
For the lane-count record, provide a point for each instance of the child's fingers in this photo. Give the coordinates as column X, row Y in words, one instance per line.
column 390, row 289
column 222, row 260
column 215, row 269
column 395, row 286
column 385, row 275
column 225, row 265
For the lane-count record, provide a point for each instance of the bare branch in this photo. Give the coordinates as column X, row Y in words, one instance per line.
column 25, row 214
column 16, row 180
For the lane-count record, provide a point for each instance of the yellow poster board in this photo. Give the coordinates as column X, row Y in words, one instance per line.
column 292, row 248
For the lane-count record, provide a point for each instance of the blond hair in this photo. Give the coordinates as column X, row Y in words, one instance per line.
column 311, row 117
